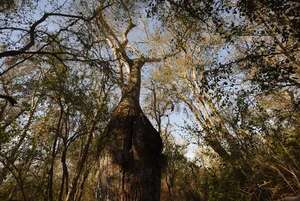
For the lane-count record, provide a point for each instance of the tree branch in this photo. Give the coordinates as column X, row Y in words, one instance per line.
column 159, row 59
column 10, row 99
column 116, row 45
column 32, row 32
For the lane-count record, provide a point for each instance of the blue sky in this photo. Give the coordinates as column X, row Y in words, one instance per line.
column 178, row 119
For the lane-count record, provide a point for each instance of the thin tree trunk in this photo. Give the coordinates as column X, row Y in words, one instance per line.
column 53, row 155
column 65, row 176
column 81, row 163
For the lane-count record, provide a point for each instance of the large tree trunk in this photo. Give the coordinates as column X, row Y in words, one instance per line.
column 131, row 162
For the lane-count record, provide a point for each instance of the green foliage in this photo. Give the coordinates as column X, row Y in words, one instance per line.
column 231, row 90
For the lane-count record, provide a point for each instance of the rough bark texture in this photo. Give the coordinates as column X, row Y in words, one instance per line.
column 131, row 163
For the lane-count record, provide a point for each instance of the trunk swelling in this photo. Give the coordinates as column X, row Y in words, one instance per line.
column 131, row 164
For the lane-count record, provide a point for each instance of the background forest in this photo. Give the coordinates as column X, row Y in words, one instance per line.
column 220, row 83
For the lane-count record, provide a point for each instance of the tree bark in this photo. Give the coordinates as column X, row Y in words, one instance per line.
column 131, row 162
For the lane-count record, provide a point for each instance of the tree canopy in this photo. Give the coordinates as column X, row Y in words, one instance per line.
column 135, row 100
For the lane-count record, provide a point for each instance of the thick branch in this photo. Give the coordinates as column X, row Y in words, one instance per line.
column 116, row 45
column 32, row 32
column 159, row 59
column 130, row 25
column 125, row 35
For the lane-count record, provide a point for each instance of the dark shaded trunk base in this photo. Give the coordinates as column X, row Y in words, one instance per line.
column 131, row 161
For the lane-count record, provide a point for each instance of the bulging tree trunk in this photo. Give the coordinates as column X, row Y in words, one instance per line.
column 130, row 166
